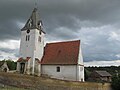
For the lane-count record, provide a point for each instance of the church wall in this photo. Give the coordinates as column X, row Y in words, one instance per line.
column 37, row 68
column 26, row 47
column 39, row 45
column 80, row 66
column 32, row 48
column 32, row 42
column 80, row 57
column 27, row 67
column 80, row 73
column 67, row 72
column 18, row 66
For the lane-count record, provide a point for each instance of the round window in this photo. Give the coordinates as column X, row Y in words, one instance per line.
column 28, row 31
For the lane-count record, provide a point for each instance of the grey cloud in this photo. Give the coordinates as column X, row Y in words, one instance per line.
column 6, row 53
column 7, row 50
column 9, row 30
column 98, row 46
column 65, row 20
column 57, row 13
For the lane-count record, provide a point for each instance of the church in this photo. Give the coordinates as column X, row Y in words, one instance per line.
column 60, row 60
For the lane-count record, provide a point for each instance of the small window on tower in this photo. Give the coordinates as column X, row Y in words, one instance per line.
column 28, row 37
column 58, row 69
column 40, row 32
column 39, row 39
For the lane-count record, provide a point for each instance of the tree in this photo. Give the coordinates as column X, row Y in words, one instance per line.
column 11, row 64
column 87, row 74
column 116, row 82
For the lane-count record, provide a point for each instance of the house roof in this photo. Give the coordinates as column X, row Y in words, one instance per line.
column 61, row 53
column 21, row 59
column 1, row 63
column 103, row 73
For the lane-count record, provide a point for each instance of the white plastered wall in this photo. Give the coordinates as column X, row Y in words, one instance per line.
column 80, row 66
column 32, row 48
column 67, row 72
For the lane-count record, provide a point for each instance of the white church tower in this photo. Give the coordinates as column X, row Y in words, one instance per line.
column 31, row 45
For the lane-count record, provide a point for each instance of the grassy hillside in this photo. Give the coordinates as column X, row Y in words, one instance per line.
column 11, row 88
column 41, row 83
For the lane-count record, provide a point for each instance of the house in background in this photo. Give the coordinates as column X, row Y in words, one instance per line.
column 61, row 60
column 100, row 76
column 4, row 66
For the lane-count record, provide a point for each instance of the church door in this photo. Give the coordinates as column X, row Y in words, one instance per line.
column 5, row 69
column 22, row 67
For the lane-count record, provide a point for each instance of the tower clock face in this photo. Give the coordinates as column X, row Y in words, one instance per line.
column 28, row 31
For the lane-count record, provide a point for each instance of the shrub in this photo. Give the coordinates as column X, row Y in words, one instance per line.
column 116, row 82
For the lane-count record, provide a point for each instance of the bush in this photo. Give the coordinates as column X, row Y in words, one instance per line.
column 11, row 64
column 116, row 82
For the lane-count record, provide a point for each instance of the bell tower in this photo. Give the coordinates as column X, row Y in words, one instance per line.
column 32, row 42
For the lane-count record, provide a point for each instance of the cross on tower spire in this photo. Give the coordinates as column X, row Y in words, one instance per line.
column 36, row 4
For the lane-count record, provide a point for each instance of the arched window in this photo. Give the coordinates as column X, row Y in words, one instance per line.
column 27, row 37
column 39, row 39
column 58, row 69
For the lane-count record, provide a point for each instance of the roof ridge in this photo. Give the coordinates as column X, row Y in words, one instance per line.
column 64, row 42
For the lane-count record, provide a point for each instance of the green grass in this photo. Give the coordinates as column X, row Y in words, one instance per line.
column 11, row 88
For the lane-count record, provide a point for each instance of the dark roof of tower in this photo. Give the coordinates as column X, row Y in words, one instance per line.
column 33, row 22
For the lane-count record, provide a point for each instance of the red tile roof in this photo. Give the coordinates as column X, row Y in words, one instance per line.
column 61, row 53
column 21, row 59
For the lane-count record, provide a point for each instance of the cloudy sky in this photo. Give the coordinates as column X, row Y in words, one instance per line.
column 95, row 22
